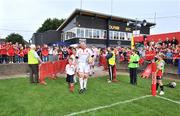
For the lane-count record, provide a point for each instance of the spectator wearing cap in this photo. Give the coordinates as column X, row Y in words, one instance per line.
column 33, row 61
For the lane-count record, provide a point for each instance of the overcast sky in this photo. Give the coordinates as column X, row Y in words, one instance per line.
column 26, row 16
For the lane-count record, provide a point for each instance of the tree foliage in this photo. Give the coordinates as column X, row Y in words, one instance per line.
column 50, row 24
column 15, row 37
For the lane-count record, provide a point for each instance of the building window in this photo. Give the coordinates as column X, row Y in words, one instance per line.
column 129, row 36
column 116, row 35
column 90, row 33
column 94, row 33
column 104, row 34
column 98, row 33
column 78, row 33
column 122, row 35
column 111, row 34
column 82, row 33
column 87, row 33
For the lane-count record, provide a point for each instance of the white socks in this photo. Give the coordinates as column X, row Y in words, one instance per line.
column 81, row 83
column 75, row 79
column 85, row 83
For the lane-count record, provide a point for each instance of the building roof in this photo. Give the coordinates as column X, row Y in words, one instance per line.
column 97, row 14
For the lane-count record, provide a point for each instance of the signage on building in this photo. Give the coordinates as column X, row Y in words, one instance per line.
column 114, row 27
column 82, row 40
column 120, row 28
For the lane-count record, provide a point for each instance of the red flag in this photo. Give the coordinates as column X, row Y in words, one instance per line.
column 147, row 71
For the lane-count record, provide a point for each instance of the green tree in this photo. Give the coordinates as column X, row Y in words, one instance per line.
column 15, row 37
column 50, row 24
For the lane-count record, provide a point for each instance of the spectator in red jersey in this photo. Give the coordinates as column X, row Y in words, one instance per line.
column 21, row 55
column 10, row 52
column 4, row 53
column 26, row 50
column 150, row 54
column 45, row 53
column 145, row 41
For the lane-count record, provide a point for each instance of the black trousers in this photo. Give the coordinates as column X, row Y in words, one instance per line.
column 111, row 69
column 34, row 73
column 133, row 76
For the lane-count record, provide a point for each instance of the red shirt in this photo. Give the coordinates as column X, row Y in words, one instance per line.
column 17, row 51
column 21, row 53
column 159, row 73
column 4, row 50
column 0, row 48
column 60, row 56
column 145, row 43
column 45, row 51
column 11, row 51
column 149, row 55
column 25, row 51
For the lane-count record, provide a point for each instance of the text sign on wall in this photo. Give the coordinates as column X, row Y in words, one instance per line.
column 82, row 40
column 120, row 28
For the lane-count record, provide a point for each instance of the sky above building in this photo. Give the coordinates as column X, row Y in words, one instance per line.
column 26, row 16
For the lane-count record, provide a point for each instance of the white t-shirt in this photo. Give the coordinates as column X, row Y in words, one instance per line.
column 83, row 55
column 70, row 69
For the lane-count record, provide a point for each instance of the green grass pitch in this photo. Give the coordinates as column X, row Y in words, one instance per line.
column 20, row 98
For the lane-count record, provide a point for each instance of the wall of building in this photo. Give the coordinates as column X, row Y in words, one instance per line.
column 70, row 25
column 91, row 22
column 46, row 37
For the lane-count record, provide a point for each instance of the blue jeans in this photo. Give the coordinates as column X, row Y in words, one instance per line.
column 45, row 58
column 16, row 57
column 21, row 59
column 50, row 57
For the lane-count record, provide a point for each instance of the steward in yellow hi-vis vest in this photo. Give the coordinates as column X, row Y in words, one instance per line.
column 111, row 60
column 133, row 65
column 32, row 58
column 33, row 62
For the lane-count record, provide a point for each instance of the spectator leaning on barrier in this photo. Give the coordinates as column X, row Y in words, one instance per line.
column 133, row 65
column 33, row 61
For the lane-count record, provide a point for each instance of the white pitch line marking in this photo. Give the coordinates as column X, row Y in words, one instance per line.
column 177, row 102
column 107, row 106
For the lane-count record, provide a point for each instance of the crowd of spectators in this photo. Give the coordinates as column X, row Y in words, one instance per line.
column 17, row 53
column 169, row 48
column 148, row 49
